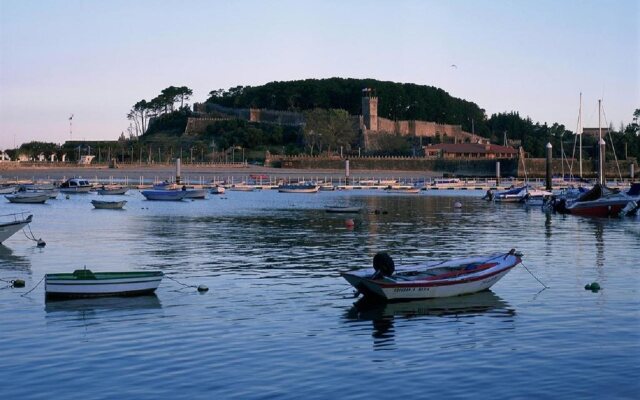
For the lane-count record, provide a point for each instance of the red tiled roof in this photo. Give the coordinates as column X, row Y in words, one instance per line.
column 472, row 148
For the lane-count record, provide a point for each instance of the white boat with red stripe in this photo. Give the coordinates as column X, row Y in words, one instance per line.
column 434, row 279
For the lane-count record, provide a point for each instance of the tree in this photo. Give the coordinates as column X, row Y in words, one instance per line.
column 328, row 128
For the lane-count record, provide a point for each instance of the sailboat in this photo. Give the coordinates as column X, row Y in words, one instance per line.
column 600, row 201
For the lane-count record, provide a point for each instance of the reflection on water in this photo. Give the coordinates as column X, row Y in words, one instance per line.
column 383, row 314
column 275, row 324
column 11, row 261
column 92, row 305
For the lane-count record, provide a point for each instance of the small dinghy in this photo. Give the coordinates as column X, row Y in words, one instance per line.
column 108, row 205
column 85, row 283
column 431, row 280
column 28, row 198
column 164, row 195
column 112, row 190
column 217, row 190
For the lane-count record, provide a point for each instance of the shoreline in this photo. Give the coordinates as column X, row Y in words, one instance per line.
column 203, row 172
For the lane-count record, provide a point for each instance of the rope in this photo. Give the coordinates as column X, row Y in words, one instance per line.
column 183, row 284
column 545, row 286
column 612, row 146
column 33, row 288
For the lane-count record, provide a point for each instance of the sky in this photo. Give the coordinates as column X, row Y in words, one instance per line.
column 95, row 59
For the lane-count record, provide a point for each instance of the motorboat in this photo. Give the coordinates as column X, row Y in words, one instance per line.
column 536, row 197
column 28, row 198
column 327, row 187
column 513, row 195
column 108, row 205
column 15, row 222
column 85, row 283
column 433, row 279
column 75, row 185
column 190, row 192
column 164, row 195
column 600, row 201
column 217, row 190
column 302, row 187
column 342, row 209
column 11, row 189
column 112, row 190
column 446, row 183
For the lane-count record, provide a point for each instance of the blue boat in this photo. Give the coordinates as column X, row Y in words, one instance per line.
column 164, row 195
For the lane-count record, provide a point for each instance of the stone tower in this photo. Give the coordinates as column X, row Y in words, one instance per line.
column 369, row 109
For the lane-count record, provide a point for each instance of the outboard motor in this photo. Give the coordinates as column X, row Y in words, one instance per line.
column 383, row 265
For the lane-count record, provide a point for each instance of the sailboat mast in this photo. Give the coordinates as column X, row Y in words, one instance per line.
column 601, row 145
column 580, row 134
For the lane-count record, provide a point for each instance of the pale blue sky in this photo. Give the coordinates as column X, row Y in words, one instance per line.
column 97, row 58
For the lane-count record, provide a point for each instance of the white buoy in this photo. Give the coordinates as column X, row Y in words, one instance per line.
column 457, row 204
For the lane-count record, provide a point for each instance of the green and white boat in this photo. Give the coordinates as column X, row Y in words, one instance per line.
column 85, row 283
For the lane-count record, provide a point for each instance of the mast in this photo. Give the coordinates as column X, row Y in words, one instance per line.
column 580, row 134
column 601, row 144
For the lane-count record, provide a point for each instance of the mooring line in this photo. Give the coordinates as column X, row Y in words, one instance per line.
column 33, row 288
column 525, row 267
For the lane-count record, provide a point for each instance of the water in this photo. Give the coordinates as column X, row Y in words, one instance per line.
column 278, row 321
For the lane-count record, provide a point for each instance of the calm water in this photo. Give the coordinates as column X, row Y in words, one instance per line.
column 279, row 322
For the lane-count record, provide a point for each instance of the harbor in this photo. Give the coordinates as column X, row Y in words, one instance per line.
column 272, row 263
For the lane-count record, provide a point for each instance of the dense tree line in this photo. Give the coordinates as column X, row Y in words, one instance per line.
column 397, row 101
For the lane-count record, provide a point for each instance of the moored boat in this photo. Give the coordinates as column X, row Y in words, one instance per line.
column 600, row 201
column 112, row 190
column 75, row 185
column 85, row 283
column 434, row 279
column 513, row 195
column 14, row 224
column 108, row 205
column 11, row 189
column 304, row 187
column 28, row 198
column 164, row 195
column 217, row 190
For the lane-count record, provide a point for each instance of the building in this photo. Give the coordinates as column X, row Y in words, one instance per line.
column 469, row 151
column 371, row 125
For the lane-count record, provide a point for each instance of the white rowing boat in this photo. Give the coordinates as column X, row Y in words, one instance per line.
column 431, row 280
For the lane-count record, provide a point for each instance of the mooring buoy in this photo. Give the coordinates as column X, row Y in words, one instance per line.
column 202, row 288
column 41, row 243
column 18, row 283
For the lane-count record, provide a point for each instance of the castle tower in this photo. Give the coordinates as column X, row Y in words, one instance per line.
column 369, row 109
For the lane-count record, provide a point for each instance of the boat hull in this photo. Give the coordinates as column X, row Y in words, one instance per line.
column 76, row 190
column 123, row 284
column 28, row 198
column 448, row 285
column 164, row 195
column 108, row 205
column 302, row 189
column 8, row 229
column 113, row 192
column 195, row 194
column 602, row 210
